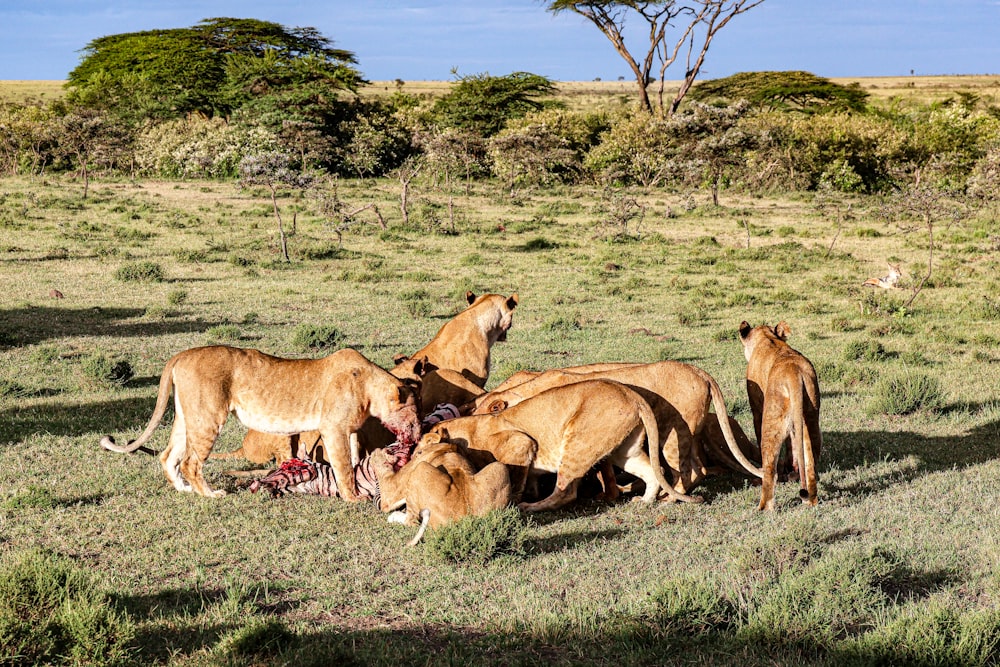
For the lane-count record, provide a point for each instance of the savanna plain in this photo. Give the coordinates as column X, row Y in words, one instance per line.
column 896, row 565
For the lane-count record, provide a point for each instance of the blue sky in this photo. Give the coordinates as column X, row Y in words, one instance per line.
column 426, row 39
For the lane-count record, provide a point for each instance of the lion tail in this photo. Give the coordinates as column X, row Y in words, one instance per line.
column 425, row 517
column 719, row 403
column 162, row 400
column 653, row 442
column 804, row 448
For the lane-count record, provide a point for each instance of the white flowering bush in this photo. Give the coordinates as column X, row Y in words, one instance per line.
column 199, row 147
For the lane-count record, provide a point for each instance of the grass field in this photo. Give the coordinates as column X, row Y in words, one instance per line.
column 897, row 565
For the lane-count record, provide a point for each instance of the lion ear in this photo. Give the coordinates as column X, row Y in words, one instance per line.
column 399, row 358
column 782, row 330
column 470, row 296
column 744, row 329
column 498, row 405
column 422, row 367
column 512, row 301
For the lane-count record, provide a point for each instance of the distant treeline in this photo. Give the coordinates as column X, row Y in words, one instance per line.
column 759, row 132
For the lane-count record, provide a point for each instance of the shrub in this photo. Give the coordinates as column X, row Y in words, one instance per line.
column 906, row 394
column 105, row 370
column 52, row 613
column 199, row 147
column 417, row 302
column 479, row 539
column 140, row 272
column 538, row 243
column 865, row 350
column 224, row 332
column 313, row 337
column 177, row 297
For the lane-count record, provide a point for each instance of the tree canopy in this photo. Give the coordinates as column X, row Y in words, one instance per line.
column 483, row 103
column 693, row 23
column 785, row 91
column 208, row 67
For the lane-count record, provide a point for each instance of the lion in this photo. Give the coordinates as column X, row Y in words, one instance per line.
column 463, row 344
column 680, row 396
column 458, row 356
column 333, row 395
column 439, row 485
column 784, row 397
column 565, row 430
column 259, row 447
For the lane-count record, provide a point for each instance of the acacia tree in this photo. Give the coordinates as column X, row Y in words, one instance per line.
column 696, row 22
column 208, row 67
column 276, row 171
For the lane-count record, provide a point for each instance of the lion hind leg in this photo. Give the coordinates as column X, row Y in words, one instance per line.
column 171, row 457
column 198, row 447
column 564, row 493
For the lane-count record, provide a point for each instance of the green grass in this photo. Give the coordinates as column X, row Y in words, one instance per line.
column 895, row 566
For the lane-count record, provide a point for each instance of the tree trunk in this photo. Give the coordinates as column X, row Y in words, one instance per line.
column 281, row 228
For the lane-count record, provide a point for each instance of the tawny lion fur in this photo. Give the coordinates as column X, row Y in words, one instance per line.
column 333, row 395
column 680, row 396
column 784, row 397
column 566, row 430
column 458, row 357
column 440, row 485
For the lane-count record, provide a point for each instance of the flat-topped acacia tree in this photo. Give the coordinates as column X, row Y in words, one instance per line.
column 692, row 26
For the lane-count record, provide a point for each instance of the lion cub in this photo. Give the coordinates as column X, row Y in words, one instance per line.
column 784, row 398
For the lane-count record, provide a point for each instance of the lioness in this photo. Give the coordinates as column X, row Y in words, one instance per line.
column 680, row 396
column 784, row 398
column 460, row 348
column 333, row 395
column 566, row 430
column 439, row 485
column 463, row 344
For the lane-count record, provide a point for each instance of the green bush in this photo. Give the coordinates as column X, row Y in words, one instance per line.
column 320, row 338
column 224, row 333
column 105, row 370
column 479, row 539
column 177, row 297
column 865, row 350
column 140, row 272
column 52, row 613
column 906, row 394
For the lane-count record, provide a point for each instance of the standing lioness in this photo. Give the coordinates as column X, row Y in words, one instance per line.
column 333, row 395
column 784, row 398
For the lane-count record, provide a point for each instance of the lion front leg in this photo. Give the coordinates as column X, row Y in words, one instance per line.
column 338, row 449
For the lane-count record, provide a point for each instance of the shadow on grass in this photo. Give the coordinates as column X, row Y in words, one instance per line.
column 554, row 543
column 122, row 418
column 31, row 325
column 861, row 449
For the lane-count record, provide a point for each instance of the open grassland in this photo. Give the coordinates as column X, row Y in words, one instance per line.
column 591, row 94
column 897, row 565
